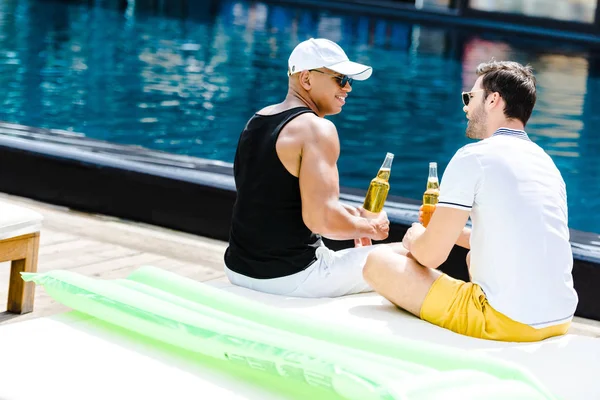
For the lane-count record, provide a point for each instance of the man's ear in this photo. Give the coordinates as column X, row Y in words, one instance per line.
column 304, row 79
column 493, row 99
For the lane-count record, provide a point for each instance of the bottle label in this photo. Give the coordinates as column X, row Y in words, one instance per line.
column 375, row 198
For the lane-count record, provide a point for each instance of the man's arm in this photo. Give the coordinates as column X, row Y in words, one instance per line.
column 322, row 210
column 431, row 246
column 464, row 239
column 461, row 181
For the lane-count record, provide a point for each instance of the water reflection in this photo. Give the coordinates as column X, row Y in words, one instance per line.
column 185, row 76
column 568, row 10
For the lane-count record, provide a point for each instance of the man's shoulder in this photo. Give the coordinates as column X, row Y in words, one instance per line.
column 312, row 126
column 466, row 161
column 309, row 119
column 499, row 148
column 479, row 145
column 267, row 110
column 471, row 150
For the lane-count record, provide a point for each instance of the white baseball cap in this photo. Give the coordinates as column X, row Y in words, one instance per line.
column 319, row 53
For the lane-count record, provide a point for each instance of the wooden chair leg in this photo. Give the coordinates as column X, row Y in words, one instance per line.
column 20, row 293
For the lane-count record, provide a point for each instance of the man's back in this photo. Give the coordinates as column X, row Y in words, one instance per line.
column 521, row 255
column 268, row 237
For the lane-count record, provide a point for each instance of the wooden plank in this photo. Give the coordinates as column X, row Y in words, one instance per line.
column 71, row 246
column 103, row 252
column 106, row 269
column 15, row 248
column 51, row 237
column 190, row 270
column 20, row 293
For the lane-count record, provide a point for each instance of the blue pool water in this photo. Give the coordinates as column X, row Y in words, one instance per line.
column 184, row 78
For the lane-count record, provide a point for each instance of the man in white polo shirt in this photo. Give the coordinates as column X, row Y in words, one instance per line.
column 520, row 261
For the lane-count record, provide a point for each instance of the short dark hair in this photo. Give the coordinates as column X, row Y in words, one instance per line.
column 515, row 83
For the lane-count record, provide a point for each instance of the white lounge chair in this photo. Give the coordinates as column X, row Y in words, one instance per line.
column 19, row 244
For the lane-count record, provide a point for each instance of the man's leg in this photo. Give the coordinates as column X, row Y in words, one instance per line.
column 397, row 247
column 399, row 278
column 336, row 273
column 333, row 274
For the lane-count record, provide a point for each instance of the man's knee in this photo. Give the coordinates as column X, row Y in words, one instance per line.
column 376, row 263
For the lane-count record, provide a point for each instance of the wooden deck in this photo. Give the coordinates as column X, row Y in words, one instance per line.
column 109, row 248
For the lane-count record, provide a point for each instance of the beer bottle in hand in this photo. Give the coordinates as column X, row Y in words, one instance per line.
column 431, row 195
column 379, row 187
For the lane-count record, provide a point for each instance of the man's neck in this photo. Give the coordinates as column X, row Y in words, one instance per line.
column 297, row 99
column 505, row 123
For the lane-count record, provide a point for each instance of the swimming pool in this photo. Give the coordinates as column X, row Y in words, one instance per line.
column 188, row 84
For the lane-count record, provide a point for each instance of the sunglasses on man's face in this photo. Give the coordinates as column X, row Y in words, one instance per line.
column 466, row 96
column 342, row 80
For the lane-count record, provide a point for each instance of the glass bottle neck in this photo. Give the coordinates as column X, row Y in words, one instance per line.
column 387, row 163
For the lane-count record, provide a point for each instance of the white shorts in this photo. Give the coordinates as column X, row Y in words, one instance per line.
column 333, row 274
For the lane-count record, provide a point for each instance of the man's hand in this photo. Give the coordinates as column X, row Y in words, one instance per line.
column 358, row 242
column 412, row 234
column 381, row 223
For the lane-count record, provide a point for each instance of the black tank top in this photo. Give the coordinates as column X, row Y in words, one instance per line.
column 268, row 238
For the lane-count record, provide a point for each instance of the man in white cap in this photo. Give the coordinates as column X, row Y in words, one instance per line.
column 287, row 184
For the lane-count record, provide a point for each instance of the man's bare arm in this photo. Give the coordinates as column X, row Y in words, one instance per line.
column 322, row 210
column 464, row 239
column 431, row 246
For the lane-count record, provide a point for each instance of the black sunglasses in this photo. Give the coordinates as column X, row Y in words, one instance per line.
column 341, row 79
column 466, row 96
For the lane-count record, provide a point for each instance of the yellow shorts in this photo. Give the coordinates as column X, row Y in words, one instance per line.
column 463, row 308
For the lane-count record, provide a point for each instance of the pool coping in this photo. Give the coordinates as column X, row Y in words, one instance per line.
column 541, row 27
column 191, row 194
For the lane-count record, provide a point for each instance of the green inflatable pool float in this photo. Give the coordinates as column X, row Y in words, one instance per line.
column 348, row 364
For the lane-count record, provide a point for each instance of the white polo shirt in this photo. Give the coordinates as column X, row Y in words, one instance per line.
column 520, row 251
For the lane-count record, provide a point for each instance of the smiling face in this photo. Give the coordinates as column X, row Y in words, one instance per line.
column 326, row 91
column 476, row 112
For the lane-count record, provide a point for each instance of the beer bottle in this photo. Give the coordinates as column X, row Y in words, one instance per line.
column 379, row 187
column 431, row 195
